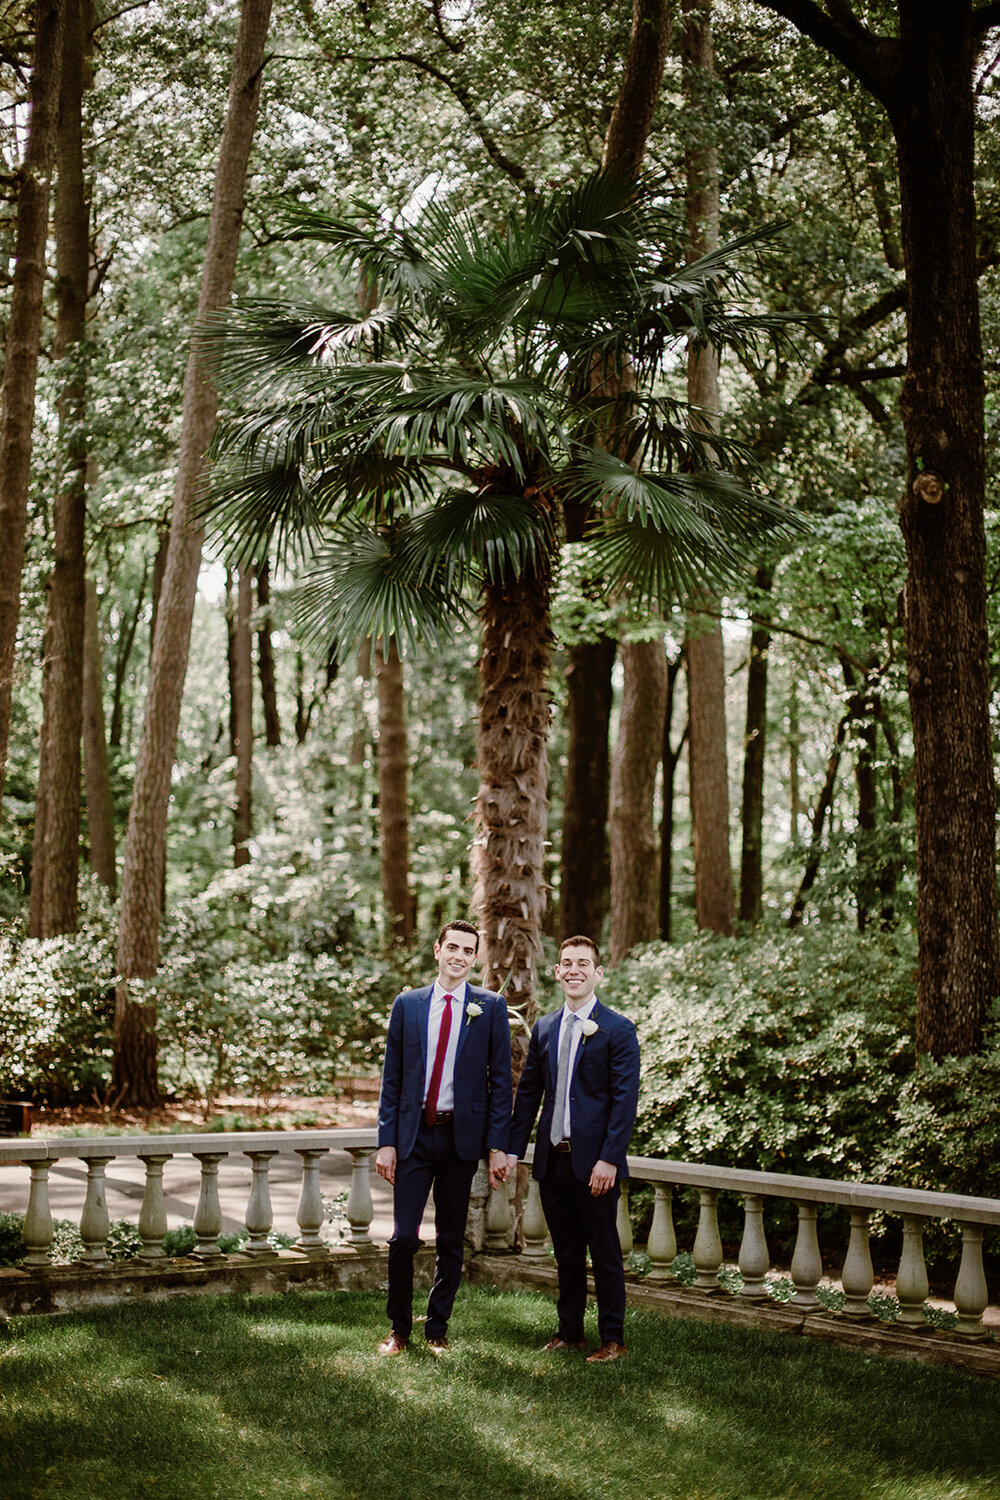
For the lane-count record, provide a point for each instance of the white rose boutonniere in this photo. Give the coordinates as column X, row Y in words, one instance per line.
column 588, row 1027
column 472, row 1010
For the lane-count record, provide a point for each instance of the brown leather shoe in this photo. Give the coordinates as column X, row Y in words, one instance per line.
column 393, row 1343
column 438, row 1346
column 558, row 1343
column 607, row 1351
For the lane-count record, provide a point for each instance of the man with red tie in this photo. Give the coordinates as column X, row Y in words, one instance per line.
column 445, row 1101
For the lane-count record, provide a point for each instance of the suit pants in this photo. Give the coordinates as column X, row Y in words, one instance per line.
column 432, row 1162
column 579, row 1222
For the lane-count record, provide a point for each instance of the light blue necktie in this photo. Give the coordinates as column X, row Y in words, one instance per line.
column 562, row 1080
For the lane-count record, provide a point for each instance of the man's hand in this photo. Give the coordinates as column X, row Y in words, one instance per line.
column 385, row 1163
column 498, row 1168
column 602, row 1178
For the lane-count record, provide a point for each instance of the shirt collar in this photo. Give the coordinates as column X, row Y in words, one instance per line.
column 582, row 1013
column 438, row 993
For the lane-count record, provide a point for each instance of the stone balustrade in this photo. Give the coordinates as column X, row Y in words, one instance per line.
column 156, row 1151
column 853, row 1264
column 850, row 1258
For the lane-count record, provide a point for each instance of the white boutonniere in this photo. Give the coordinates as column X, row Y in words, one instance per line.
column 471, row 1011
column 588, row 1028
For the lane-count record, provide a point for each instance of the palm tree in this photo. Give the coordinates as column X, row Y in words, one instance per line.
column 425, row 449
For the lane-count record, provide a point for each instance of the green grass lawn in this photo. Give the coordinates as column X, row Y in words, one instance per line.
column 223, row 1398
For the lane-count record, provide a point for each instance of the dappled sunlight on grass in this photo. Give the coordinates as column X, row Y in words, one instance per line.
column 264, row 1398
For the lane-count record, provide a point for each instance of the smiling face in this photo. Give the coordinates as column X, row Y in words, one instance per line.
column 579, row 974
column 455, row 953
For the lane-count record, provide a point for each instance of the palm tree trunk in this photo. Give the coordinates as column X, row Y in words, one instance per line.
column 24, row 331
column 145, row 850
column 586, row 867
column 512, row 804
column 393, row 800
column 265, row 659
column 635, row 864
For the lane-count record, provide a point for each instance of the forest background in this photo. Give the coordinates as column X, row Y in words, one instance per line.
column 322, row 815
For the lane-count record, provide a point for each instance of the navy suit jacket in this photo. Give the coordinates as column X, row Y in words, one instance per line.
column 482, row 1074
column 604, row 1093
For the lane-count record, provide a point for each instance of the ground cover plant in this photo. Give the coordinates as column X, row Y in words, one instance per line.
column 250, row 1399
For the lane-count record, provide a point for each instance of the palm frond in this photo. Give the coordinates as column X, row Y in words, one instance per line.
column 368, row 581
column 490, row 532
column 390, row 258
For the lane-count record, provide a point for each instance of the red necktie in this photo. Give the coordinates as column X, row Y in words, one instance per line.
column 430, row 1107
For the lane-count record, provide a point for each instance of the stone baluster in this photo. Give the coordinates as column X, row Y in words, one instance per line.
column 857, row 1277
column 534, row 1230
column 310, row 1214
column 707, row 1244
column 259, row 1217
column 971, row 1292
column 911, row 1279
column 498, row 1221
column 662, row 1246
column 624, row 1223
column 38, row 1227
column 153, row 1214
column 360, row 1211
column 807, row 1263
column 208, row 1214
column 754, row 1260
column 94, row 1221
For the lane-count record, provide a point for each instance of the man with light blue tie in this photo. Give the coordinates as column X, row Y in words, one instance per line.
column 445, row 1101
column 583, row 1067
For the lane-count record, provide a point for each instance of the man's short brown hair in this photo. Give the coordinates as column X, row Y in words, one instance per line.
column 459, row 926
column 581, row 942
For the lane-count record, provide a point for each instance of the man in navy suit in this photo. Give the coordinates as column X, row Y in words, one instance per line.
column 445, row 1102
column 583, row 1066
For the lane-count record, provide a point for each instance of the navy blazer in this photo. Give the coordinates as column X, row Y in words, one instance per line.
column 604, row 1093
column 482, row 1074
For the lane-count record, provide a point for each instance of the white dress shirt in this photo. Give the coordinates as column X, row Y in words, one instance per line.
column 576, row 1039
column 446, row 1090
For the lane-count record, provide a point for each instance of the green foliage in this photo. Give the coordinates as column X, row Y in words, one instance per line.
column 774, row 1052
column 57, row 1009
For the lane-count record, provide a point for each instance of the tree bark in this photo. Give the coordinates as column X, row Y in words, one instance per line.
column 243, row 717
column 265, row 659
column 512, row 802
column 751, row 863
column 715, row 904
column 634, row 863
column 585, row 867
column 669, row 758
column 24, row 331
column 393, row 799
column 56, row 852
column 100, row 808
column 145, row 850
column 923, row 77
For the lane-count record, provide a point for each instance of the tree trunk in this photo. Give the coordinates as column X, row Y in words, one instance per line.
column 24, row 331
column 823, row 804
column 145, row 849
column 393, row 802
column 635, row 865
column 100, row 808
column 123, row 654
column 512, row 803
column 751, row 864
column 586, row 868
column 265, row 659
column 56, row 854
column 359, row 739
column 924, row 78
column 231, row 610
column 942, row 405
column 715, row 905
column 243, row 717
column 669, row 759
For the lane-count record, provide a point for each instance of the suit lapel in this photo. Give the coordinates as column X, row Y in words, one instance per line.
column 423, row 1007
column 460, row 1018
column 548, row 1031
